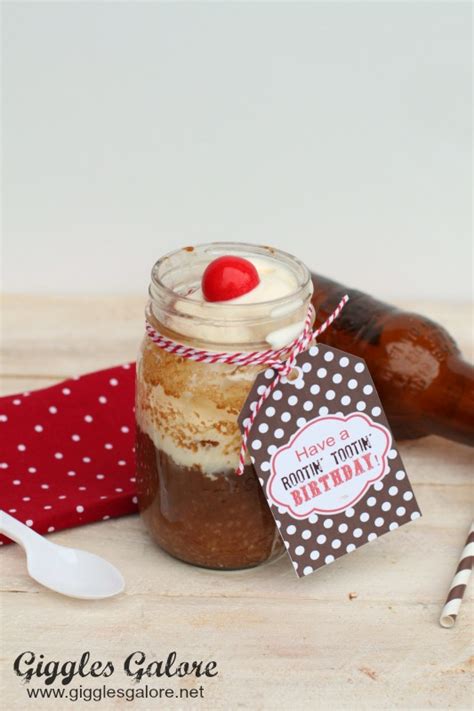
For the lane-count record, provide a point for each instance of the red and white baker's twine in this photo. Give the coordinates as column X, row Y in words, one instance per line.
column 281, row 360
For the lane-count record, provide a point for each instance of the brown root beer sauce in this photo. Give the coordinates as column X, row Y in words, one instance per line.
column 220, row 297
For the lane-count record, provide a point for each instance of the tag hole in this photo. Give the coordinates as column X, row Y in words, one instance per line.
column 295, row 374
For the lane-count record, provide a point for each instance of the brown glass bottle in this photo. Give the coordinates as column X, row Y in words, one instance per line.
column 425, row 385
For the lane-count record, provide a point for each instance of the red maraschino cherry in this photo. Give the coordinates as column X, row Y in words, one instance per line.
column 228, row 277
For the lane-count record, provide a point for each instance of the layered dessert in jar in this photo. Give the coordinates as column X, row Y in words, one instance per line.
column 220, row 297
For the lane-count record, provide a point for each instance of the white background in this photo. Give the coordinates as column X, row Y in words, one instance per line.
column 338, row 131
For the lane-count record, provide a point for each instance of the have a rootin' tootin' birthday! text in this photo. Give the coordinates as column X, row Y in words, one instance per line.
column 309, row 480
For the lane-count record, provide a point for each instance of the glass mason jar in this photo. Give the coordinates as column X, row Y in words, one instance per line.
column 188, row 439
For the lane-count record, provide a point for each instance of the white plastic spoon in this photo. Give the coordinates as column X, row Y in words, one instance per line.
column 68, row 571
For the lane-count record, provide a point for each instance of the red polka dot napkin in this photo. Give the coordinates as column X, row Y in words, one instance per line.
column 67, row 451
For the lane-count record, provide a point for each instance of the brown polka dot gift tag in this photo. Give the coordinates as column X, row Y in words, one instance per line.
column 325, row 457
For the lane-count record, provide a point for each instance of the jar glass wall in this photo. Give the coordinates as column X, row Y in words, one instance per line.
column 188, row 439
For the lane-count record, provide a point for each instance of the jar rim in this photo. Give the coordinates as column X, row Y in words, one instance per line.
column 212, row 250
column 224, row 325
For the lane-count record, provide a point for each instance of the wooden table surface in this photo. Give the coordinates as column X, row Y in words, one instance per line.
column 362, row 633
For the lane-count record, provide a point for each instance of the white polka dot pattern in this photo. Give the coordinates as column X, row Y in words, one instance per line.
column 331, row 383
column 68, row 451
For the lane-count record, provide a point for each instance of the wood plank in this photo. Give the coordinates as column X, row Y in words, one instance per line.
column 65, row 336
column 269, row 655
column 12, row 384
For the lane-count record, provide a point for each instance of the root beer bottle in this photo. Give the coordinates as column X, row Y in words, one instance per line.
column 425, row 385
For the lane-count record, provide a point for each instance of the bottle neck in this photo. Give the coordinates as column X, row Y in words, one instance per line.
column 448, row 410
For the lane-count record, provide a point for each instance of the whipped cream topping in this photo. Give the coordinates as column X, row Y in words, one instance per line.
column 276, row 281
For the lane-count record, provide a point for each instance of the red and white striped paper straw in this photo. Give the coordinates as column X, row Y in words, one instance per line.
column 458, row 585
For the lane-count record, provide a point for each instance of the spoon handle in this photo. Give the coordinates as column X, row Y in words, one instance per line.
column 17, row 531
